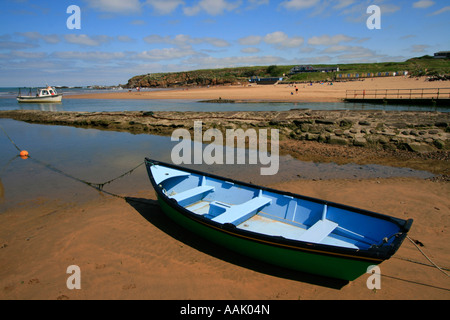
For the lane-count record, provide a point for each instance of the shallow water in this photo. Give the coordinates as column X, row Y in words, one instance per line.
column 98, row 156
column 98, row 105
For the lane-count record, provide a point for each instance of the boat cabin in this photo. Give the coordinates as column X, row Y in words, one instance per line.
column 46, row 92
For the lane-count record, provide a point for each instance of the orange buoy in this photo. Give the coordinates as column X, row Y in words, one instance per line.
column 24, row 154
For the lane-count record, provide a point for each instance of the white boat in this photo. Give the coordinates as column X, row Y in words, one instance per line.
column 45, row 95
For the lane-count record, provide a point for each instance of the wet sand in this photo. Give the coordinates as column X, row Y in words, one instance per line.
column 128, row 249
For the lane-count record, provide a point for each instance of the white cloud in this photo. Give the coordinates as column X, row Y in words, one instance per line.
column 250, row 50
column 89, row 56
column 35, row 36
column 164, row 6
column 165, row 54
column 337, row 48
column 213, row 62
column 422, row 4
column 389, row 8
column 116, row 6
column 356, row 51
column 327, row 40
column 358, row 54
column 420, row 48
column 16, row 45
column 212, row 7
column 276, row 37
column 256, row 3
column 85, row 40
column 445, row 9
column 279, row 39
column 125, row 39
column 138, row 22
column 343, row 4
column 282, row 40
column 299, row 4
column 183, row 40
column 216, row 42
column 250, row 40
column 28, row 55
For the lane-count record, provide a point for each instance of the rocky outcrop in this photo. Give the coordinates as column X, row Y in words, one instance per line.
column 178, row 80
column 211, row 77
column 185, row 79
column 420, row 132
column 417, row 132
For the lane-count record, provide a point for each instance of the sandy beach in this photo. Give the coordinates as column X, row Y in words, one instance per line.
column 127, row 248
column 281, row 92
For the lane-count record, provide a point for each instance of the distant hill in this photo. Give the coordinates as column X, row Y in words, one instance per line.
column 420, row 66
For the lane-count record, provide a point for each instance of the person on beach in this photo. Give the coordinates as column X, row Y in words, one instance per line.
column 296, row 89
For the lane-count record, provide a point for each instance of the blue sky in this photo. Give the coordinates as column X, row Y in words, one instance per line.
column 120, row 39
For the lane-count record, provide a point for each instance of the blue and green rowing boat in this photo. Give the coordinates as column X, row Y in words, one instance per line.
column 280, row 228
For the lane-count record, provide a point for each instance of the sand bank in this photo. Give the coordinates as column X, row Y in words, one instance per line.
column 131, row 250
column 281, row 92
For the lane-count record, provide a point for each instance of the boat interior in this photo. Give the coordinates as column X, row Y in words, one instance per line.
column 275, row 214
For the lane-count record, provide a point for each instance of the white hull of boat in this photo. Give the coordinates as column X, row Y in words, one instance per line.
column 47, row 99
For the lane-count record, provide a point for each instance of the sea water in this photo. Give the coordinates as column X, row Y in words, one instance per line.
column 62, row 157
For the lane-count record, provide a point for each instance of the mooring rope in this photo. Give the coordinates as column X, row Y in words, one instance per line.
column 421, row 263
column 434, row 264
column 13, row 143
column 97, row 186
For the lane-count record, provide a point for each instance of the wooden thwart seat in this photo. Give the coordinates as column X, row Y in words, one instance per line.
column 319, row 231
column 239, row 213
column 191, row 193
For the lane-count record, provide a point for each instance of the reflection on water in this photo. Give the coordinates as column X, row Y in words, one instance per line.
column 98, row 156
column 56, row 106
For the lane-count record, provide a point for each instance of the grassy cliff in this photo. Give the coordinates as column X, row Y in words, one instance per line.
column 423, row 66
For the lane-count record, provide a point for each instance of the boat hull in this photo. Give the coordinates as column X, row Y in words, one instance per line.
column 313, row 262
column 346, row 263
column 30, row 99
